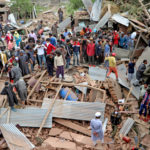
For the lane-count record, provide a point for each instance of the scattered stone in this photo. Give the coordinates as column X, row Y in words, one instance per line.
column 55, row 132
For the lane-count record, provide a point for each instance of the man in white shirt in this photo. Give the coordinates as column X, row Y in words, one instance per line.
column 133, row 36
column 41, row 53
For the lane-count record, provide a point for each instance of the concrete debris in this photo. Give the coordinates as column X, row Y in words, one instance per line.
column 55, row 132
column 59, row 143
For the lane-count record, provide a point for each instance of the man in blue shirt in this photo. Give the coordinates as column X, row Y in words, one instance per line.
column 130, row 70
column 53, row 40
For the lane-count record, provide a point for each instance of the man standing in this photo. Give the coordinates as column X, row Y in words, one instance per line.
column 41, row 53
column 140, row 71
column 91, row 52
column 54, row 29
column 76, row 50
column 130, row 70
column 145, row 105
column 60, row 14
column 23, row 63
column 33, row 36
column 98, row 52
column 12, row 99
column 52, row 39
column 97, row 131
column 49, row 47
column 69, row 53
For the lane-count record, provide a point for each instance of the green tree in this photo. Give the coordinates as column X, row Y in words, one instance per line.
column 22, row 7
column 74, row 5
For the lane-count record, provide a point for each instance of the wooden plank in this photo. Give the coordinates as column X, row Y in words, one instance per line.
column 73, row 126
column 8, row 115
column 137, row 43
column 73, row 84
column 48, row 111
column 138, row 27
column 33, row 89
column 67, row 94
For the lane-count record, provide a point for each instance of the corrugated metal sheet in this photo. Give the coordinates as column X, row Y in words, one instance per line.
column 123, row 81
column 97, row 73
column 120, row 19
column 15, row 139
column 88, row 5
column 27, row 117
column 74, row 110
column 103, row 20
column 96, row 10
column 127, row 126
column 64, row 24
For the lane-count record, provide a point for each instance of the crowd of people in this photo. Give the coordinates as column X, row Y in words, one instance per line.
column 55, row 52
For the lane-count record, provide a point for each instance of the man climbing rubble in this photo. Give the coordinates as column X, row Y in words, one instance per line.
column 115, row 121
column 97, row 131
column 22, row 90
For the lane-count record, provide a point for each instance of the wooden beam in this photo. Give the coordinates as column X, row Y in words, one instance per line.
column 33, row 89
column 88, row 86
column 67, row 94
column 144, row 9
column 137, row 43
column 48, row 111
column 73, row 126
column 8, row 115
column 1, row 115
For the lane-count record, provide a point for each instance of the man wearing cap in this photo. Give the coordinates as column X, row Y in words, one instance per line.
column 97, row 131
column 115, row 121
column 112, row 65
column 12, row 99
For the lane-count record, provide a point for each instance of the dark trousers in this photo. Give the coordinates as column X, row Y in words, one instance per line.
column 143, row 107
column 60, row 70
column 50, row 69
column 98, row 60
column 91, row 60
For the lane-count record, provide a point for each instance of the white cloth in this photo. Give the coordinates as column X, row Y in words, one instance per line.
column 142, row 90
column 133, row 35
column 96, row 126
column 58, row 61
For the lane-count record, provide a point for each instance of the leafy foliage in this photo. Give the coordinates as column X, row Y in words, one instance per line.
column 74, row 5
column 22, row 7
